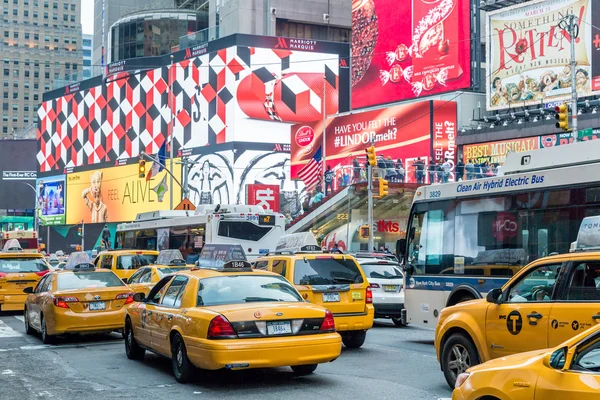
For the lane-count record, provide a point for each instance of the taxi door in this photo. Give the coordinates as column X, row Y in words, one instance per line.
column 149, row 322
column 34, row 307
column 520, row 323
column 165, row 313
column 578, row 307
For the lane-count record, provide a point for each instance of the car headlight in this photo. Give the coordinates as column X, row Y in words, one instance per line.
column 460, row 379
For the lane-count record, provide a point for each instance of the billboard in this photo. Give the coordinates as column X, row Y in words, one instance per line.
column 425, row 130
column 224, row 91
column 117, row 194
column 266, row 196
column 51, row 199
column 528, row 54
column 409, row 49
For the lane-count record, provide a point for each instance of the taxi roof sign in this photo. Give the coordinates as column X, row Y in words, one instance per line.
column 12, row 245
column 79, row 261
column 588, row 237
column 295, row 242
column 170, row 257
column 223, row 256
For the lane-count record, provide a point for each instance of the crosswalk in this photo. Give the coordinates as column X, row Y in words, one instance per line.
column 7, row 332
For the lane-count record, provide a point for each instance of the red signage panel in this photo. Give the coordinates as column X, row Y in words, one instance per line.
column 266, row 196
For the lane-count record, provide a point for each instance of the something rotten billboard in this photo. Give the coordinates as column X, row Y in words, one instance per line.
column 425, row 130
column 528, row 54
column 408, row 49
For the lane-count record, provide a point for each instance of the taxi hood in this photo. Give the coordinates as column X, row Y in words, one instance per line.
column 512, row 361
column 268, row 311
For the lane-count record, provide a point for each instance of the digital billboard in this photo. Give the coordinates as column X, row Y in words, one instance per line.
column 117, row 194
column 528, row 54
column 51, row 199
column 409, row 49
column 425, row 130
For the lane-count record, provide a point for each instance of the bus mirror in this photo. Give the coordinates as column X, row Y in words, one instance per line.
column 401, row 247
column 494, row 296
column 409, row 269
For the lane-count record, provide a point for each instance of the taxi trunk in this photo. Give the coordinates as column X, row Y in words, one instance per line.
column 12, row 284
column 93, row 300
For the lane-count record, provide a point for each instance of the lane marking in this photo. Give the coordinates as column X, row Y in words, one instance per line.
column 19, row 317
column 8, row 332
column 7, row 372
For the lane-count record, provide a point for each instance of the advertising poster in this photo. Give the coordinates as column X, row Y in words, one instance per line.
column 117, row 194
column 529, row 55
column 51, row 199
column 401, row 132
column 496, row 152
column 408, row 49
column 266, row 196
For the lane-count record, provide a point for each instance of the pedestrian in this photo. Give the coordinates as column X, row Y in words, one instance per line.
column 390, row 170
column 499, row 170
column 419, row 166
column 470, row 168
column 439, row 170
column 381, row 166
column 446, row 168
column 460, row 170
column 317, row 197
column 288, row 218
column 329, row 175
column 356, row 170
column 400, row 170
column 431, row 170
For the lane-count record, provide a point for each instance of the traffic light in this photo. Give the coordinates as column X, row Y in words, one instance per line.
column 79, row 231
column 371, row 156
column 142, row 168
column 562, row 117
column 364, row 231
column 383, row 187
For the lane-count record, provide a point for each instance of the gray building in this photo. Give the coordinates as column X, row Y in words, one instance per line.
column 41, row 44
column 88, row 46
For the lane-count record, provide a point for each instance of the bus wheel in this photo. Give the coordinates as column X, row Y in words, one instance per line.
column 458, row 354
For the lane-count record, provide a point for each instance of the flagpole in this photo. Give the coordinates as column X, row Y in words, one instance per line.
column 171, row 131
column 324, row 150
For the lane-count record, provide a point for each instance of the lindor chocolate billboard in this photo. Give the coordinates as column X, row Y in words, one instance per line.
column 425, row 130
column 528, row 54
column 408, row 49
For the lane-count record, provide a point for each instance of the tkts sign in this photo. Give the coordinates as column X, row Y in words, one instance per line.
column 266, row 196
column 529, row 54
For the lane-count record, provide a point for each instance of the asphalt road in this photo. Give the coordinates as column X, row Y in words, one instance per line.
column 395, row 363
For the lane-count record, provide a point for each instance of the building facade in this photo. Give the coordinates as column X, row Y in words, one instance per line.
column 41, row 43
column 88, row 46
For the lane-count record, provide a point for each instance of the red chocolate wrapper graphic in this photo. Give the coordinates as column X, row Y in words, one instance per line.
column 294, row 97
column 364, row 19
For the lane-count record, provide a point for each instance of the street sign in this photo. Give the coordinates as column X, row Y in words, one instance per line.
column 185, row 205
column 585, row 132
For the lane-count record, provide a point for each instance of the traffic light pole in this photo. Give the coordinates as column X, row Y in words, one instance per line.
column 370, row 205
column 572, row 27
column 82, row 235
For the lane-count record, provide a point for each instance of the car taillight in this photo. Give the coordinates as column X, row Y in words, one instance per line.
column 62, row 302
column 127, row 296
column 3, row 274
column 42, row 273
column 220, row 328
column 369, row 298
column 375, row 285
column 328, row 324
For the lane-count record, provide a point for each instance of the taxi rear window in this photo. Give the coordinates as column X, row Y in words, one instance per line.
column 135, row 261
column 10, row 265
column 83, row 280
column 382, row 271
column 326, row 271
column 239, row 289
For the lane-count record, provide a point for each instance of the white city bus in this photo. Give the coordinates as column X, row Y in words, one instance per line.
column 466, row 238
column 255, row 229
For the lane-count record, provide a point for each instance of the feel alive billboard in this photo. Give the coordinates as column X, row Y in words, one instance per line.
column 407, row 49
column 528, row 53
column 423, row 130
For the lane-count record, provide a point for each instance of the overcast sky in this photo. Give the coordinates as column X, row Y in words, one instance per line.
column 87, row 16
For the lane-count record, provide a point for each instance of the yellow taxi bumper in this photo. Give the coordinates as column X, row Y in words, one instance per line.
column 355, row 321
column 263, row 352
column 67, row 321
column 12, row 302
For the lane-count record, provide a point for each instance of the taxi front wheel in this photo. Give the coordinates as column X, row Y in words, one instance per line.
column 132, row 348
column 304, row 369
column 458, row 354
column 182, row 367
column 355, row 339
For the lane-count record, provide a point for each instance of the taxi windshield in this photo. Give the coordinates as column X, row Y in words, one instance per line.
column 239, row 289
column 135, row 261
column 166, row 271
column 83, row 280
column 382, row 271
column 23, row 264
column 326, row 271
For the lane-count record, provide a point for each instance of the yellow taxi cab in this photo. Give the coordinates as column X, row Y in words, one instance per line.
column 18, row 271
column 549, row 301
column 230, row 317
column 125, row 263
column 78, row 299
column 335, row 281
column 570, row 371
column 168, row 262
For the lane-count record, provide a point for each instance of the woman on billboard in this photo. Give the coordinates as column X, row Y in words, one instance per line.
column 96, row 205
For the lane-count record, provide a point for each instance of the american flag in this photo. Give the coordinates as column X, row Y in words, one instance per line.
column 312, row 171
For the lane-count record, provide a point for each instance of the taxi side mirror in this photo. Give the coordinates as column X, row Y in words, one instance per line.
column 139, row 297
column 558, row 359
column 125, row 280
column 28, row 290
column 494, row 296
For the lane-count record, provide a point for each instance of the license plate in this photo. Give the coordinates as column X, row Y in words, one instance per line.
column 390, row 288
column 331, row 297
column 279, row 328
column 98, row 305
